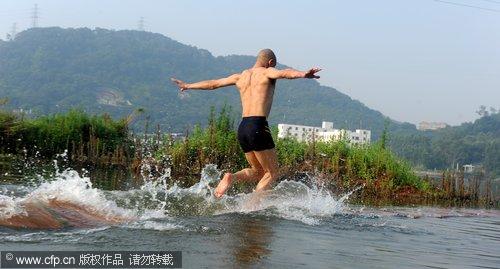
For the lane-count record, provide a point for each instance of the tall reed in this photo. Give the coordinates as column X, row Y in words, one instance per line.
column 88, row 138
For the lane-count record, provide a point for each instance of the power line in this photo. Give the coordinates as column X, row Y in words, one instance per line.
column 465, row 5
column 492, row 1
column 13, row 12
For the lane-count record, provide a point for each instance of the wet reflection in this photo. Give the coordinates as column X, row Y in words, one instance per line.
column 253, row 237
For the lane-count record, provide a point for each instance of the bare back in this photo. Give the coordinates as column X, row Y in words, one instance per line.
column 256, row 85
column 256, row 92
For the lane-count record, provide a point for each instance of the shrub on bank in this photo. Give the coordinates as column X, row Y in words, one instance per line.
column 76, row 131
column 216, row 143
column 349, row 165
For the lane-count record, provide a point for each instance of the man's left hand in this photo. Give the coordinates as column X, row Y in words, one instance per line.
column 181, row 84
column 312, row 73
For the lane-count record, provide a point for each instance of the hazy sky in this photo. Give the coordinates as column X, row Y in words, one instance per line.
column 413, row 60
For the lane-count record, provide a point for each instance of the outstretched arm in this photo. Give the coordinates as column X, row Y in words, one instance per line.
column 274, row 73
column 207, row 84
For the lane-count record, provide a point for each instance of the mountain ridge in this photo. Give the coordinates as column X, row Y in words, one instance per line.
column 50, row 70
column 53, row 69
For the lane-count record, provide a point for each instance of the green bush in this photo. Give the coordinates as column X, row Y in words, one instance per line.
column 53, row 134
column 217, row 143
column 351, row 164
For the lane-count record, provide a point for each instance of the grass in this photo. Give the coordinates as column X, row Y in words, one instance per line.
column 86, row 137
column 342, row 165
column 338, row 165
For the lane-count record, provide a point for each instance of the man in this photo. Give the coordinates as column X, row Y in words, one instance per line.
column 256, row 86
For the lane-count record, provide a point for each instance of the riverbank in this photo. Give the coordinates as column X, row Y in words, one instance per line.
column 291, row 218
column 99, row 143
column 92, row 139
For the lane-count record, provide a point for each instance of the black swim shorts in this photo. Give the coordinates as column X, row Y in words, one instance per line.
column 254, row 134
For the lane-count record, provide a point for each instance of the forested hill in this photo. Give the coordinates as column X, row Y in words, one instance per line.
column 53, row 69
column 475, row 143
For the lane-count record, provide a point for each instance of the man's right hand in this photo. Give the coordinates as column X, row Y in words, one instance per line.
column 312, row 73
column 181, row 84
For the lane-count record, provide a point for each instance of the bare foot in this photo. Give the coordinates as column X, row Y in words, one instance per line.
column 224, row 184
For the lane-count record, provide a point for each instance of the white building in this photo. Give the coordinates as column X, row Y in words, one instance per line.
column 425, row 125
column 324, row 133
column 468, row 168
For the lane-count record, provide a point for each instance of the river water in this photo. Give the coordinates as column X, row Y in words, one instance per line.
column 291, row 226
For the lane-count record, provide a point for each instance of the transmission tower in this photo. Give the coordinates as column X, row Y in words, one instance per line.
column 35, row 16
column 140, row 24
column 13, row 32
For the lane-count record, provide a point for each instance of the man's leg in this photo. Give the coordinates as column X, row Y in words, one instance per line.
column 254, row 173
column 269, row 162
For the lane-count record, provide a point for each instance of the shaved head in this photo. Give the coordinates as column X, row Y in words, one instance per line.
column 265, row 56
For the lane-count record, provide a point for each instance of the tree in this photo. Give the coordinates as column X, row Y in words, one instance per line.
column 482, row 112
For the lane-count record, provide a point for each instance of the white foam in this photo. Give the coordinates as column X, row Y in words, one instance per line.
column 69, row 186
column 289, row 200
column 153, row 200
column 9, row 206
column 154, row 225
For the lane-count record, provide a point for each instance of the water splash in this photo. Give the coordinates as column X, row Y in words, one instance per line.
column 154, row 199
column 69, row 186
column 289, row 199
column 9, row 207
column 67, row 199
